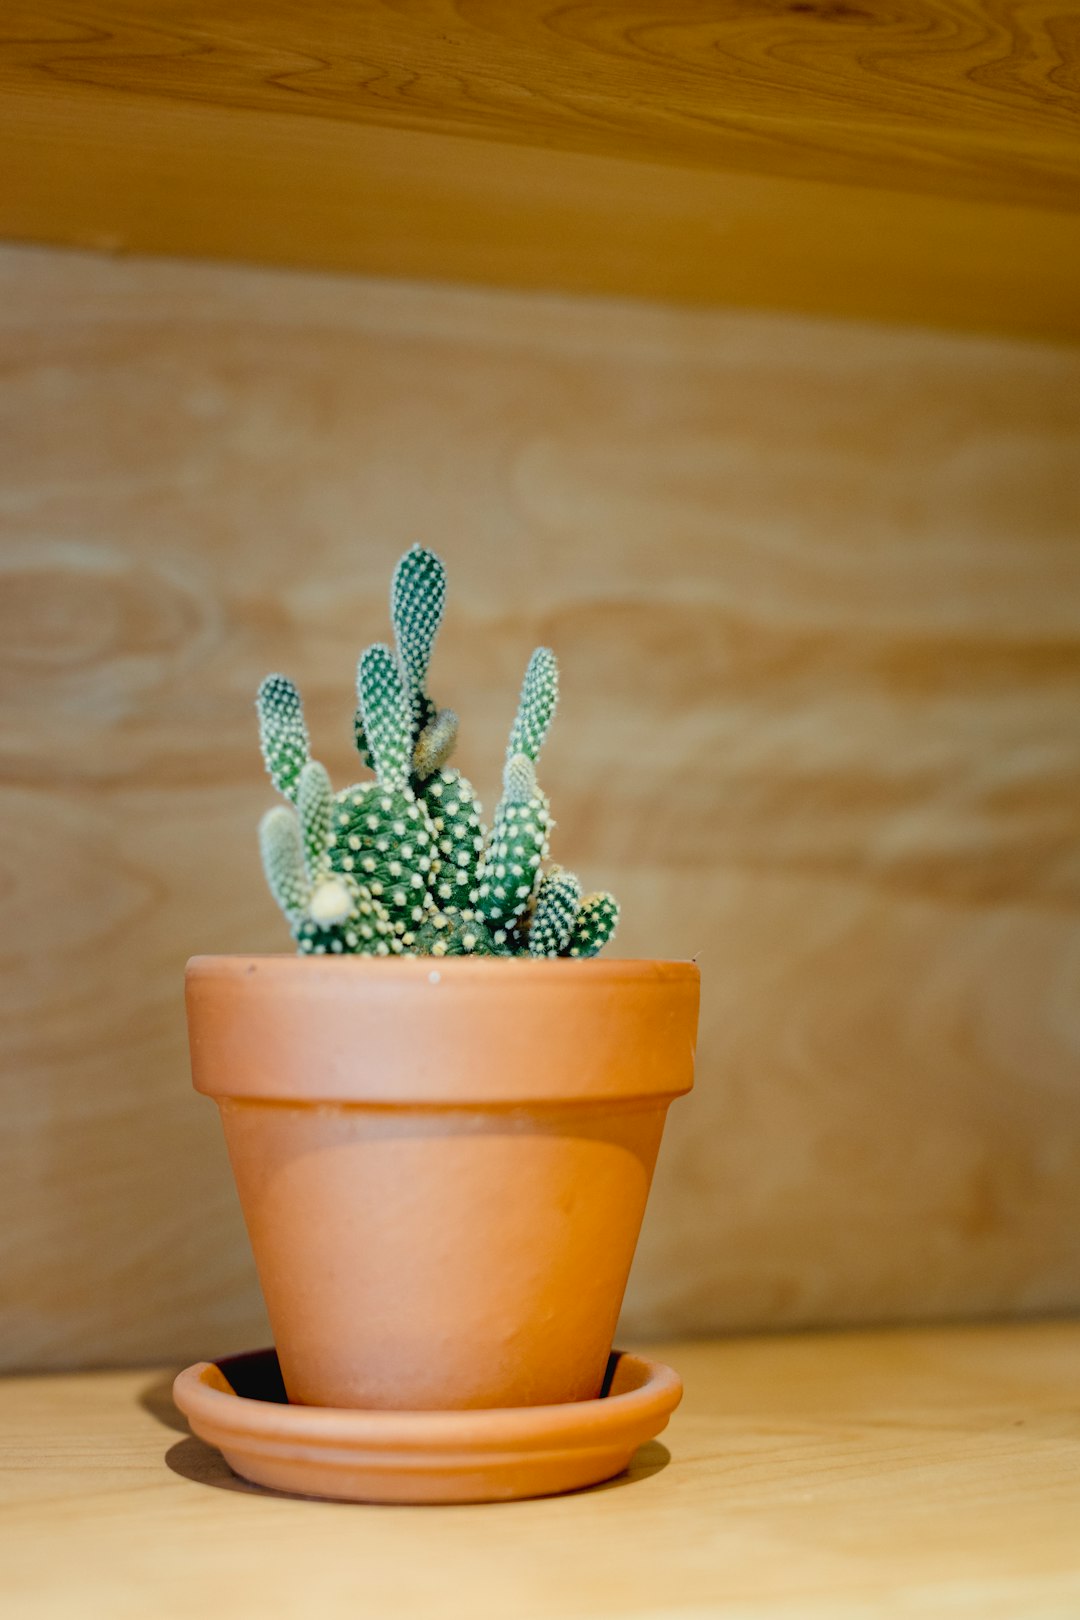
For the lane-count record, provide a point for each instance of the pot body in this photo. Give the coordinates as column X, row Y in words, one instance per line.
column 443, row 1167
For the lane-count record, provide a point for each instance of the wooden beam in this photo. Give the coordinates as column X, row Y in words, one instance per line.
column 821, row 157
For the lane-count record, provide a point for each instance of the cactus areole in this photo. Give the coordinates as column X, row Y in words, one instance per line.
column 402, row 863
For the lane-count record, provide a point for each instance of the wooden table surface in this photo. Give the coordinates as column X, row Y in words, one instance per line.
column 930, row 1472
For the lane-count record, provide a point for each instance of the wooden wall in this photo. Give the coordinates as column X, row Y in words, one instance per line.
column 816, row 591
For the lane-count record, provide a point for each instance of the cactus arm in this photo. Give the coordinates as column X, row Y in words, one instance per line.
column 510, row 868
column 596, row 922
column 553, row 920
column 417, row 600
column 387, row 720
column 386, row 841
column 314, row 803
column 536, row 705
column 282, row 850
column 455, row 813
column 426, row 716
column 282, row 732
column 519, row 780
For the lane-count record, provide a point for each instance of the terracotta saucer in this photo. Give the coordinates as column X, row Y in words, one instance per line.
column 238, row 1404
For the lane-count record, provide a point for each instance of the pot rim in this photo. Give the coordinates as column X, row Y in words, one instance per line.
column 414, row 966
column 438, row 1031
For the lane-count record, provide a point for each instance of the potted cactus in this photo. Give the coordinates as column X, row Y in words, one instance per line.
column 442, row 1110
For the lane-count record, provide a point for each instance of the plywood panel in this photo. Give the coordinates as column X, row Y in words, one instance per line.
column 920, row 163
column 817, row 596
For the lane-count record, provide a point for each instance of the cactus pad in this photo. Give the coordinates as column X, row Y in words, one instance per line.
column 596, row 921
column 556, row 908
column 417, row 600
column 387, row 721
column 282, row 850
column 282, row 732
column 510, row 868
column 536, row 705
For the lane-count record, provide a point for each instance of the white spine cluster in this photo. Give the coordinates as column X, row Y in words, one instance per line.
column 331, row 902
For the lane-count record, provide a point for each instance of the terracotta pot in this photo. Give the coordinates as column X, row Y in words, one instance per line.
column 443, row 1165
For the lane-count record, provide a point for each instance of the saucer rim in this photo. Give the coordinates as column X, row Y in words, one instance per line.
column 656, row 1393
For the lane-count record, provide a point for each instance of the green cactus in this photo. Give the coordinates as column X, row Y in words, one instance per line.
column 282, row 849
column 514, row 854
column 282, row 732
column 557, row 901
column 512, row 864
column 384, row 705
column 403, row 864
column 324, row 910
column 536, row 706
column 314, row 806
column 367, row 932
column 417, row 600
column 596, row 921
column 455, row 814
column 449, row 933
column 384, row 839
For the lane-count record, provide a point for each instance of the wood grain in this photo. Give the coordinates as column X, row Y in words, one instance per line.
column 862, row 1477
column 816, row 592
column 958, row 98
column 918, row 161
